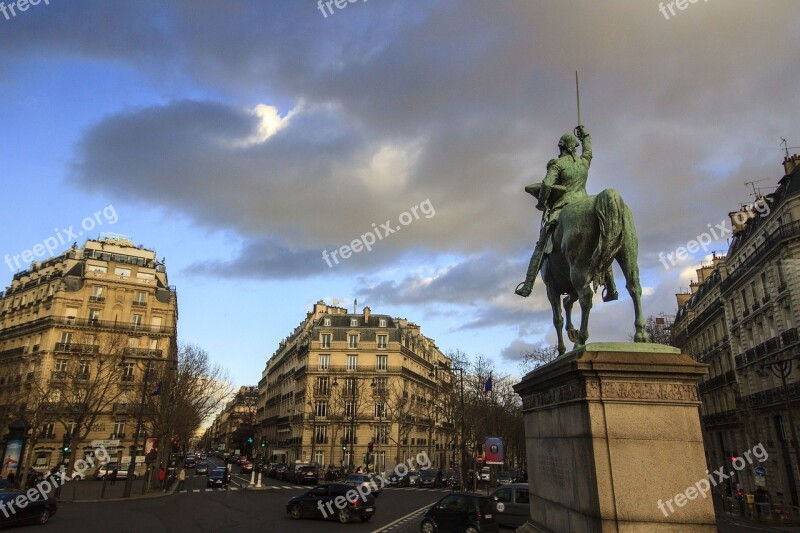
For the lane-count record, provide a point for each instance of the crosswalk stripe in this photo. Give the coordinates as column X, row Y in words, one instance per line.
column 196, row 490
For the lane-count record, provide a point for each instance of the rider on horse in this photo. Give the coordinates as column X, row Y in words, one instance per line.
column 565, row 181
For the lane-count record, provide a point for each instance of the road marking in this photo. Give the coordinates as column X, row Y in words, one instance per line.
column 412, row 514
column 209, row 490
column 287, row 487
column 196, row 490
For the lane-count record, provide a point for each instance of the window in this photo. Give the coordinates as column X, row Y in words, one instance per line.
column 381, row 385
column 97, row 268
column 42, row 460
column 321, row 408
column 353, row 322
column 326, row 321
column 382, row 362
column 122, row 272
column 353, row 341
column 326, row 340
column 764, row 291
column 155, row 322
column 145, row 275
column 350, row 386
column 380, row 410
column 137, row 321
column 319, row 457
column 84, row 370
column 60, row 370
column 503, row 495
column 321, row 434
column 352, row 362
column 322, row 385
column 97, row 294
column 380, row 434
column 350, row 409
column 127, row 371
column 349, row 435
column 779, row 265
column 48, row 430
column 382, row 323
column 94, row 315
column 66, row 338
column 119, row 429
column 139, row 301
column 324, row 362
column 71, row 428
column 382, row 341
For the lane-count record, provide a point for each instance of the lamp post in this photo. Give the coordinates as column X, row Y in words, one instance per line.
column 126, row 493
column 463, row 430
column 782, row 368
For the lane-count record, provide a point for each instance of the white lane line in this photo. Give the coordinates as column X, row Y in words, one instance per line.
column 196, row 490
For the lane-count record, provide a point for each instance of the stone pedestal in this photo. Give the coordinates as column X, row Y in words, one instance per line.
column 611, row 430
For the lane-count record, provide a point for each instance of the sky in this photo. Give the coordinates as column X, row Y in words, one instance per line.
column 245, row 141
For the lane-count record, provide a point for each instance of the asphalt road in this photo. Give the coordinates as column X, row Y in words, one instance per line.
column 199, row 508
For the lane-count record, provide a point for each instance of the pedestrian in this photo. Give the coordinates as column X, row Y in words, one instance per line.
column 112, row 477
column 181, row 479
column 439, row 477
column 161, row 475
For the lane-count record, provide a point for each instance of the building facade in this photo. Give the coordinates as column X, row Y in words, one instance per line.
column 740, row 318
column 236, row 423
column 77, row 333
column 349, row 389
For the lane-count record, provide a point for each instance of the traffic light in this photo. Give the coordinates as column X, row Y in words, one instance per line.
column 65, row 446
column 263, row 442
column 175, row 445
column 249, row 440
column 344, row 447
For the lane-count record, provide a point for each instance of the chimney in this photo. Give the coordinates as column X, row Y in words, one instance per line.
column 355, row 306
column 790, row 164
column 682, row 299
column 739, row 219
column 367, row 312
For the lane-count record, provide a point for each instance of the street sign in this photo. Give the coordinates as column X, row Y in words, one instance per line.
column 761, row 471
column 493, row 450
column 479, row 459
column 761, row 481
column 107, row 443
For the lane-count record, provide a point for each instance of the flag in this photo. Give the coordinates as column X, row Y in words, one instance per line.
column 487, row 386
column 157, row 391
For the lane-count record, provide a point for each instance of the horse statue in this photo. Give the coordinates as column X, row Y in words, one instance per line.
column 581, row 237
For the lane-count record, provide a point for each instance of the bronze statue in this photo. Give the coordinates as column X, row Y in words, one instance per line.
column 580, row 237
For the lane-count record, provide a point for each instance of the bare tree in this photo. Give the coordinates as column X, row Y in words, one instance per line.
column 537, row 356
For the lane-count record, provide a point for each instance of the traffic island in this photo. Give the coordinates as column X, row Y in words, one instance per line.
column 614, row 443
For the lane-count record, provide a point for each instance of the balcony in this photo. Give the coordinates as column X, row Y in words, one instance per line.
column 72, row 347
column 765, row 299
column 789, row 337
column 718, row 381
column 143, row 352
column 772, row 396
column 117, row 436
column 97, row 299
column 782, row 287
column 140, row 304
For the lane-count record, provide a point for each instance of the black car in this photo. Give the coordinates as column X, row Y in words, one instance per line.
column 190, row 462
column 319, row 502
column 460, row 513
column 307, row 474
column 218, row 477
column 397, row 480
column 202, row 468
column 428, row 478
column 37, row 511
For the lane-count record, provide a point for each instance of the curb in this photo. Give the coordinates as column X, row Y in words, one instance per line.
column 149, row 496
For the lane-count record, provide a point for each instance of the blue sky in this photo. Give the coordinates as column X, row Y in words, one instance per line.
column 241, row 139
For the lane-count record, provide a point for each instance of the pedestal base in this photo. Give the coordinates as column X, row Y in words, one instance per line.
column 612, row 435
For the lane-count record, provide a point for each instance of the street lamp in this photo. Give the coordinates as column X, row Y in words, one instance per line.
column 460, row 370
column 782, row 368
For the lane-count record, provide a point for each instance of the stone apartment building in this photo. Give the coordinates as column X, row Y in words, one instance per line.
column 356, row 389
column 740, row 318
column 77, row 332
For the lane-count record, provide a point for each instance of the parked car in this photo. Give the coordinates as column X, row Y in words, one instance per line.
column 360, row 480
column 201, row 468
column 512, row 504
column 413, row 478
column 460, row 512
column 428, row 478
column 190, row 462
column 485, row 475
column 320, row 500
column 504, row 477
column 37, row 511
column 217, row 477
column 306, row 474
column 122, row 471
column 247, row 468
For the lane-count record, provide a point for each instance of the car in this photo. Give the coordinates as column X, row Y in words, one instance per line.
column 246, row 468
column 460, row 512
column 306, row 474
column 122, row 471
column 217, row 477
column 512, row 504
column 365, row 480
column 202, row 456
column 485, row 474
column 282, row 473
column 428, row 478
column 397, row 480
column 320, row 502
column 190, row 462
column 38, row 511
column 413, row 478
column 201, row 468
column 504, row 477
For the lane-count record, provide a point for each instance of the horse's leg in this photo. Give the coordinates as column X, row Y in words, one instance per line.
column 569, row 300
column 558, row 320
column 626, row 258
column 583, row 286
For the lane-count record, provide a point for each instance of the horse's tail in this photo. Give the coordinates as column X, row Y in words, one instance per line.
column 610, row 209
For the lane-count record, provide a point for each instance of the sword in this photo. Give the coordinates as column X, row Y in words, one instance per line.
column 578, row 95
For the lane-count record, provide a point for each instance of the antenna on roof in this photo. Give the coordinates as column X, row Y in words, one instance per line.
column 786, row 147
column 756, row 192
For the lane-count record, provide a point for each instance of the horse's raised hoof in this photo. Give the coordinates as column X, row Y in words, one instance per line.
column 610, row 296
column 640, row 337
column 523, row 289
column 572, row 333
